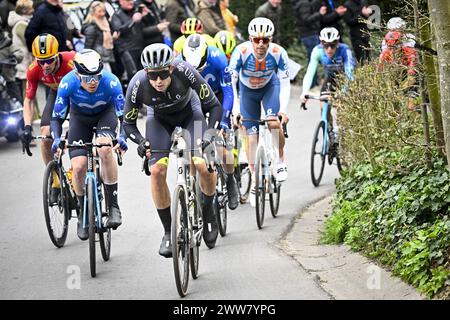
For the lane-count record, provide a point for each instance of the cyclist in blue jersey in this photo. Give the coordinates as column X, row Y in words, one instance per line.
column 261, row 68
column 96, row 100
column 335, row 58
column 213, row 66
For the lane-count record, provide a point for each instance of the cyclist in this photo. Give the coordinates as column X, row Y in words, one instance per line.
column 397, row 24
column 213, row 66
column 336, row 57
column 188, row 27
column 96, row 101
column 397, row 51
column 226, row 42
column 174, row 94
column 49, row 67
column 255, row 62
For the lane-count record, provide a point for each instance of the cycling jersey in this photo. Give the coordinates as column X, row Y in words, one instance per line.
column 109, row 93
column 407, row 56
column 179, row 43
column 35, row 74
column 172, row 105
column 218, row 76
column 342, row 61
column 256, row 74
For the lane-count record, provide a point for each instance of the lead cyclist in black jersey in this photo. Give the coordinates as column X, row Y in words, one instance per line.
column 174, row 94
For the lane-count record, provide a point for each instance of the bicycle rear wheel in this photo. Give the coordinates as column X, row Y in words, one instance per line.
column 180, row 241
column 90, row 197
column 318, row 154
column 260, row 182
column 56, row 214
column 245, row 182
column 274, row 197
column 220, row 205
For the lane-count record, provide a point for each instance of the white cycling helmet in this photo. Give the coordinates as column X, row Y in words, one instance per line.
column 88, row 62
column 156, row 56
column 329, row 35
column 261, row 27
column 396, row 23
column 195, row 51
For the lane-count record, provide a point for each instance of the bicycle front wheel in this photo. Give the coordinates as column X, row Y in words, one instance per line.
column 90, row 197
column 274, row 197
column 105, row 233
column 180, row 241
column 318, row 154
column 245, row 182
column 194, row 250
column 56, row 213
column 260, row 183
column 220, row 206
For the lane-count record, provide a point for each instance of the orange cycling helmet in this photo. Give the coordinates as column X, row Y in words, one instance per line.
column 190, row 26
column 44, row 46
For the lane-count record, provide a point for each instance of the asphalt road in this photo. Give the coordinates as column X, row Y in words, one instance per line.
column 246, row 264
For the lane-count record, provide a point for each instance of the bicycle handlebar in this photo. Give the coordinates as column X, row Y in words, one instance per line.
column 324, row 98
column 26, row 147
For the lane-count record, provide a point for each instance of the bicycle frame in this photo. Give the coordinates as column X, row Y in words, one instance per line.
column 325, row 120
column 265, row 143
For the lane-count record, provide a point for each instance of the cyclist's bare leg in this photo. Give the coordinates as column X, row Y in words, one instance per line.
column 109, row 164
column 277, row 136
column 251, row 146
column 79, row 168
column 159, row 187
column 46, row 145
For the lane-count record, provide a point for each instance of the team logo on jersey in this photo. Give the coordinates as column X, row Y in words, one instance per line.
column 60, row 100
column 120, row 97
column 135, row 90
column 64, row 85
column 132, row 115
column 190, row 75
column 204, row 91
column 113, row 83
column 180, row 67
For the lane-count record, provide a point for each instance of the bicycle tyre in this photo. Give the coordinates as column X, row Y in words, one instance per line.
column 91, row 219
column 57, row 238
column 260, row 183
column 274, row 198
column 105, row 233
column 180, row 241
column 194, row 250
column 220, row 206
column 316, row 177
column 245, row 183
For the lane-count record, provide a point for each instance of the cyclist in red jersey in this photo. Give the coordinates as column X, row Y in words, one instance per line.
column 398, row 52
column 49, row 67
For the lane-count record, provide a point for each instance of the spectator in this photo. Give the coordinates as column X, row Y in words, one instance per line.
column 212, row 21
column 98, row 33
column 357, row 11
column 108, row 7
column 6, row 6
column 8, row 72
column 155, row 27
column 332, row 15
column 127, row 21
column 309, row 15
column 49, row 18
column 18, row 21
column 272, row 10
column 176, row 12
column 229, row 18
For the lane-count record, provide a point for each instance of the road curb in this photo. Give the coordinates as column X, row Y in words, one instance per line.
column 340, row 272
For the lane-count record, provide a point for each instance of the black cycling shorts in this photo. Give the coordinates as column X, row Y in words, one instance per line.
column 48, row 110
column 332, row 85
column 81, row 128
column 159, row 129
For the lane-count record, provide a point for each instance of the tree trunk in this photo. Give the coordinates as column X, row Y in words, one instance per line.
column 440, row 16
column 433, row 86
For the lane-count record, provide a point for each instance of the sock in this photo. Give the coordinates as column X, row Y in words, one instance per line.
column 111, row 194
column 166, row 218
column 81, row 203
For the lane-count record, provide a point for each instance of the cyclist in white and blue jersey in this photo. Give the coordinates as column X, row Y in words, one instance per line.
column 212, row 64
column 96, row 99
column 261, row 68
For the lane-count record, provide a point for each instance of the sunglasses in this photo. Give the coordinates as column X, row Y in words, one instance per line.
column 264, row 40
column 90, row 78
column 329, row 45
column 46, row 61
column 163, row 74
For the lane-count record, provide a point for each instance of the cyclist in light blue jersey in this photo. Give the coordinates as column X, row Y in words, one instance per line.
column 213, row 67
column 335, row 58
column 96, row 100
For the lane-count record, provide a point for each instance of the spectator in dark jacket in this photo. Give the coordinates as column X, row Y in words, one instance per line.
column 357, row 11
column 272, row 10
column 155, row 27
column 332, row 16
column 98, row 33
column 176, row 12
column 48, row 18
column 6, row 6
column 128, row 22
